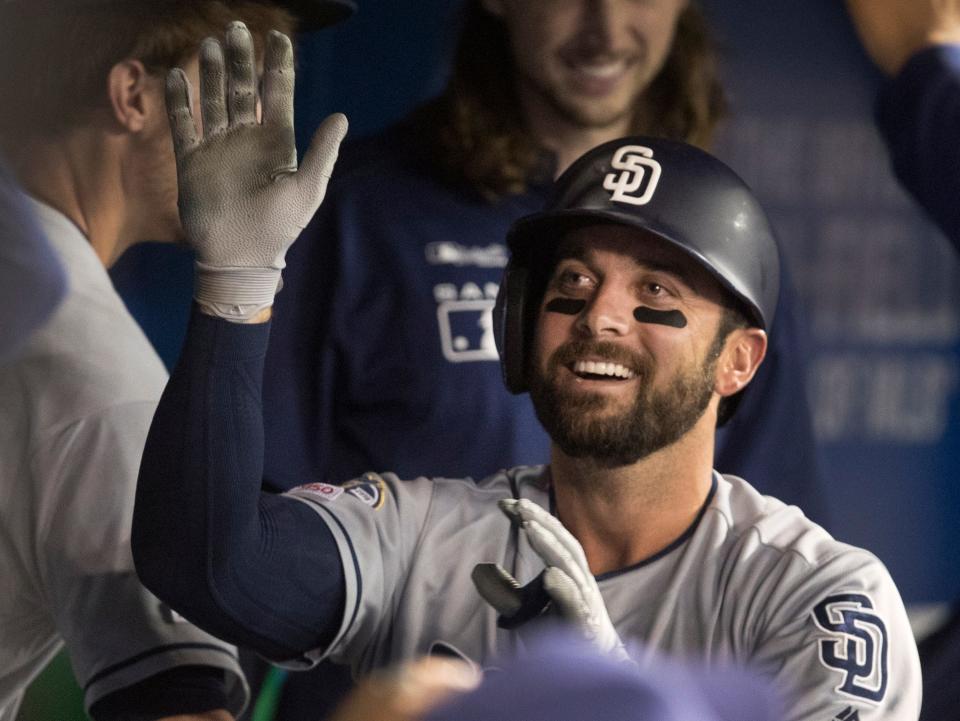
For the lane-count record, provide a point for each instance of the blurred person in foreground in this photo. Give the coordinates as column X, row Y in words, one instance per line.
column 32, row 281
column 85, row 130
column 559, row 678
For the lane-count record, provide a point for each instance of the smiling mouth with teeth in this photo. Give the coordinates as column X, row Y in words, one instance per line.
column 601, row 370
column 601, row 71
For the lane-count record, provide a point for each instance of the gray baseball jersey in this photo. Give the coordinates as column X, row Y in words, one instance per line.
column 752, row 582
column 77, row 404
column 28, row 269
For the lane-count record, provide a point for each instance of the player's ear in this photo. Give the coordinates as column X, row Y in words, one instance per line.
column 134, row 94
column 743, row 351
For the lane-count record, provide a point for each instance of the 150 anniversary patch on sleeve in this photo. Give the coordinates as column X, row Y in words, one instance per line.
column 370, row 489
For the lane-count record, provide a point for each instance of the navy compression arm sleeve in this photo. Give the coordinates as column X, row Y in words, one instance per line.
column 918, row 113
column 255, row 569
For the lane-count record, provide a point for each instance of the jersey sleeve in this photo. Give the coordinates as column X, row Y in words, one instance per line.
column 29, row 268
column 116, row 632
column 377, row 521
column 837, row 641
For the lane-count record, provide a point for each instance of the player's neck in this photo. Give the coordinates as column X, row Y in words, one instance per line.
column 569, row 146
column 567, row 140
column 80, row 177
column 626, row 514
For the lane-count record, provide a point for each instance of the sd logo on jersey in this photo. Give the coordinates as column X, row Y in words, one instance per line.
column 856, row 644
column 370, row 489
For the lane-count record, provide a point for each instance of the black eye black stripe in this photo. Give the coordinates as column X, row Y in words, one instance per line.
column 574, row 306
column 672, row 318
column 567, row 306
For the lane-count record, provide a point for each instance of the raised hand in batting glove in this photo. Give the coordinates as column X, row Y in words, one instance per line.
column 242, row 199
column 567, row 580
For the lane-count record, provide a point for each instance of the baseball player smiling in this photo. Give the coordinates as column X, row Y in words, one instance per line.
column 634, row 310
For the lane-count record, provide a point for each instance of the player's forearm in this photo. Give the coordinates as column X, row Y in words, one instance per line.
column 918, row 114
column 258, row 570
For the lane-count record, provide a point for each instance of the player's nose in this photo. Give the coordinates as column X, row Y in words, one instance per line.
column 596, row 30
column 608, row 314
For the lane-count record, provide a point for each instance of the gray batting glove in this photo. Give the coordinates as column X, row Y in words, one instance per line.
column 567, row 579
column 242, row 199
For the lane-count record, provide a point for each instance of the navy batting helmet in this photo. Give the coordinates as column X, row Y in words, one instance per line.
column 675, row 191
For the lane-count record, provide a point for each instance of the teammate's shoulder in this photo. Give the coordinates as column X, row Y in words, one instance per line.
column 762, row 522
column 85, row 365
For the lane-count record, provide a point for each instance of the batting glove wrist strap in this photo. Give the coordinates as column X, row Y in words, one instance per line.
column 236, row 294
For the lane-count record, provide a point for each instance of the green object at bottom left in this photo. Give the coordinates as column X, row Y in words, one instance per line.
column 54, row 695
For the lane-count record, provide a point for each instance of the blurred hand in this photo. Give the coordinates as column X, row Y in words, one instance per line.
column 407, row 692
column 242, row 199
column 893, row 30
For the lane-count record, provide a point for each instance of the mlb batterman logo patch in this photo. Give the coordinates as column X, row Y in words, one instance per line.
column 370, row 489
column 639, row 172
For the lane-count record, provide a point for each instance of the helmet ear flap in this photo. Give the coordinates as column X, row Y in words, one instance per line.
column 509, row 326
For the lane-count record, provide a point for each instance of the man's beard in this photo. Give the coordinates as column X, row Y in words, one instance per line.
column 586, row 117
column 655, row 419
column 579, row 113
